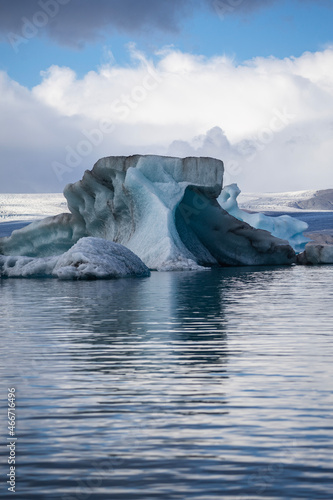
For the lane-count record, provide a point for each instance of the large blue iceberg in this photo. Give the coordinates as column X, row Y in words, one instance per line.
column 163, row 209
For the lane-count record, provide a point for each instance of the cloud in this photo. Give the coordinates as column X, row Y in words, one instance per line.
column 31, row 134
column 269, row 119
column 292, row 159
column 75, row 22
column 225, row 7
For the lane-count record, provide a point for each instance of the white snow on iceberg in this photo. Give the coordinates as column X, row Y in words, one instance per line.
column 89, row 258
column 163, row 209
column 284, row 227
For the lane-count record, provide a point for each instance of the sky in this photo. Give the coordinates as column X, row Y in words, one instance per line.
column 246, row 81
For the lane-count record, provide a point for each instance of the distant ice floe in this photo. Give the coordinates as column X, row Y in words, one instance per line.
column 163, row 209
column 284, row 227
column 89, row 258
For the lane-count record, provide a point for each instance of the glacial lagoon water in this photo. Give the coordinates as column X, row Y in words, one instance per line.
column 187, row 385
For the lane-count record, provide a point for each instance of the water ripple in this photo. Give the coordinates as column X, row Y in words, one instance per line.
column 214, row 385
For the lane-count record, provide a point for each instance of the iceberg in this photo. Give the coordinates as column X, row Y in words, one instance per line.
column 316, row 254
column 284, row 227
column 163, row 209
column 50, row 236
column 89, row 258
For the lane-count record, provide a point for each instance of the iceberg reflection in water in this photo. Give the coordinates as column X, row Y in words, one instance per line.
column 191, row 385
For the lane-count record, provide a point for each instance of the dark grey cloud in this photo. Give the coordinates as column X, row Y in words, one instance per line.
column 74, row 22
column 245, row 8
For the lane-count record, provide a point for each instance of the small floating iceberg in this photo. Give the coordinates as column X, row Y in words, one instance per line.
column 316, row 254
column 90, row 258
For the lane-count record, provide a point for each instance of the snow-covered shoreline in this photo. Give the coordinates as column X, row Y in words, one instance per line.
column 292, row 201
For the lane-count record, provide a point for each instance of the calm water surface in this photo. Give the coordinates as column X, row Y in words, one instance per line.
column 203, row 385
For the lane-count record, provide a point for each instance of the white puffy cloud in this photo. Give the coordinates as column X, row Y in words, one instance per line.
column 270, row 120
